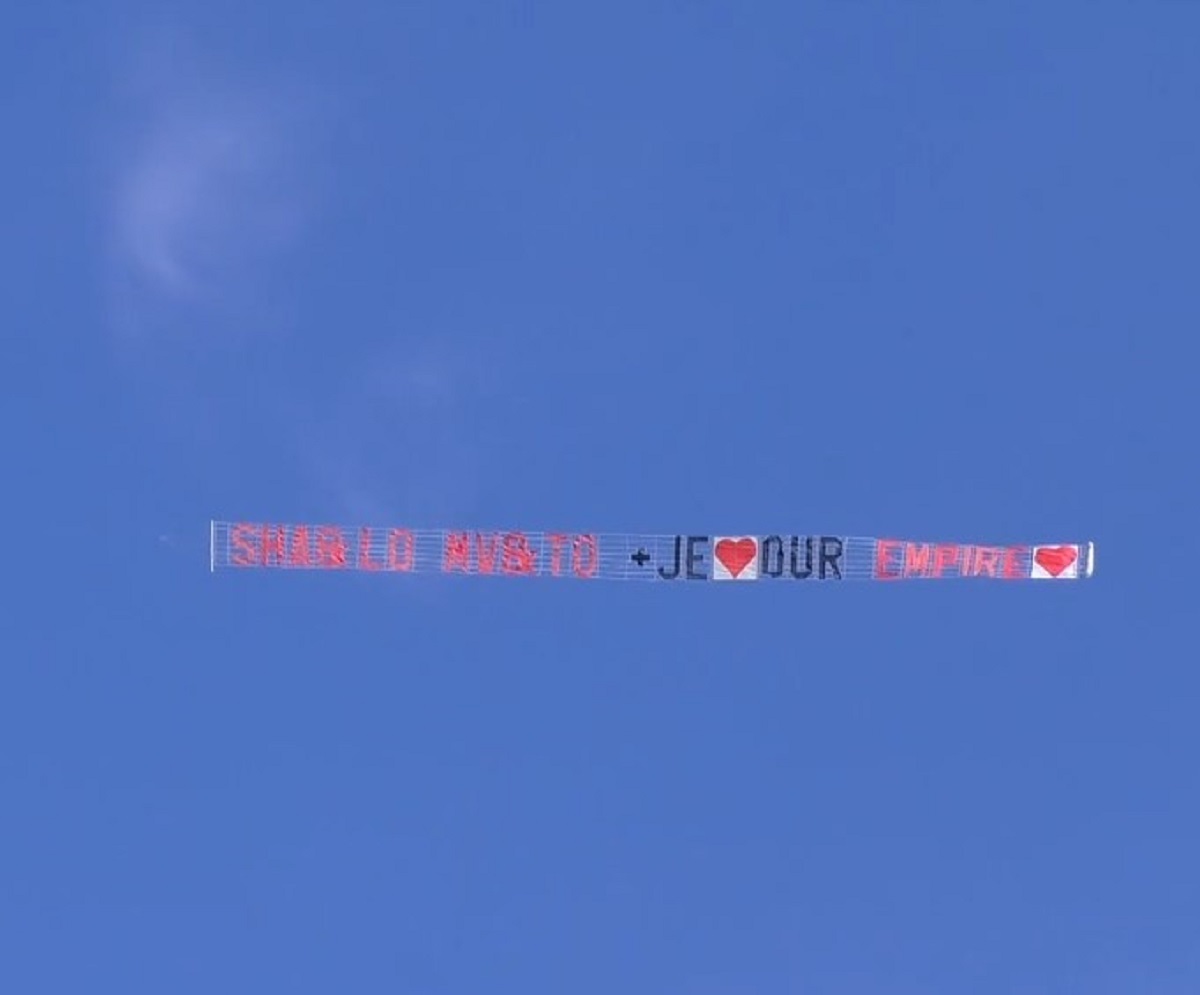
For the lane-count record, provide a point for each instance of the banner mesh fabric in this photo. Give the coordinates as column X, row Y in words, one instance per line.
column 619, row 556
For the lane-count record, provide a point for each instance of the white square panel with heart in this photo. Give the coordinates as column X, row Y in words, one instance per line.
column 735, row 558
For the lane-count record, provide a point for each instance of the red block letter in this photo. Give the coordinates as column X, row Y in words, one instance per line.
column 486, row 548
column 245, row 550
column 517, row 557
column 916, row 559
column 274, row 544
column 968, row 559
column 457, row 552
column 987, row 558
column 585, row 559
column 1012, row 566
column 331, row 547
column 884, row 549
column 400, row 549
column 364, row 551
column 557, row 541
column 301, row 555
column 944, row 556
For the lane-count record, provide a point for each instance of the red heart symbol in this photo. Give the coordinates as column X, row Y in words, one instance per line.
column 1055, row 559
column 734, row 554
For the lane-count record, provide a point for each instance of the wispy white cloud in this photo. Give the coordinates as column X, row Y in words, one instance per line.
column 210, row 186
column 192, row 203
column 392, row 436
column 213, row 177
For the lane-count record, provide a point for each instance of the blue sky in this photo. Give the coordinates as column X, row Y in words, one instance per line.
column 868, row 269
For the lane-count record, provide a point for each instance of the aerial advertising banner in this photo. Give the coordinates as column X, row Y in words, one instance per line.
column 766, row 557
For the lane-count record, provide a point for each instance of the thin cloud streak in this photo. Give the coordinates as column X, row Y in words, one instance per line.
column 211, row 187
column 213, row 184
column 394, row 439
column 181, row 213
